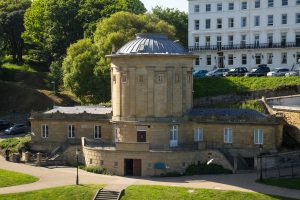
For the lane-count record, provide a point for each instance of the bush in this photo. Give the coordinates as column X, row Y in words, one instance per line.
column 15, row 145
column 203, row 168
column 96, row 170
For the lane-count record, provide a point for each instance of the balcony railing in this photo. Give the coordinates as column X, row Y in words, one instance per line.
column 245, row 46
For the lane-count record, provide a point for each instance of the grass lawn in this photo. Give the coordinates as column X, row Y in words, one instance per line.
column 73, row 192
column 9, row 178
column 292, row 183
column 212, row 86
column 19, row 67
column 173, row 193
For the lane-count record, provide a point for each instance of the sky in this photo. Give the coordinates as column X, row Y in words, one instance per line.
column 182, row 5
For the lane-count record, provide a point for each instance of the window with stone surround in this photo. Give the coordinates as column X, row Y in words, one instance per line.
column 196, row 8
column 257, row 4
column 45, row 131
column 97, row 132
column 228, row 135
column 124, row 78
column 140, row 79
column 219, row 7
column 258, row 136
column 91, row 161
column 198, row 134
column 71, row 131
column 160, row 78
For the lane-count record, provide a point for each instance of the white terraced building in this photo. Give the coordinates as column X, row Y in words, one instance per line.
column 244, row 33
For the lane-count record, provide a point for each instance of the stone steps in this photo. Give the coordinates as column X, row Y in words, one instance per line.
column 107, row 195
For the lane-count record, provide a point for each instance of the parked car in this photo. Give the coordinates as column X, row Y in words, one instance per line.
column 5, row 125
column 200, row 73
column 295, row 72
column 16, row 129
column 278, row 72
column 217, row 72
column 259, row 71
column 239, row 71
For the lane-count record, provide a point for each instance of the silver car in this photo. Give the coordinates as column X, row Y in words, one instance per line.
column 278, row 72
column 217, row 72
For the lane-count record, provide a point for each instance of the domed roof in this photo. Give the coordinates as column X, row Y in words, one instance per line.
column 151, row 43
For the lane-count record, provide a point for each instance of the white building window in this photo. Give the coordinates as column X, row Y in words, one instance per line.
column 258, row 136
column 243, row 21
column 244, row 5
column 196, row 8
column 297, row 39
column 196, row 41
column 231, row 6
column 258, row 58
column 243, row 40
column 207, row 23
column 270, row 20
column 208, row 7
column 230, row 59
column 219, row 41
column 97, row 132
column 219, row 7
column 219, row 23
column 197, row 24
column 257, row 4
column 284, row 19
column 270, row 39
column 270, row 58
column 207, row 41
column 198, row 134
column 256, row 40
column 174, row 136
column 283, row 38
column 284, row 58
column 285, row 2
column 230, row 40
column 297, row 18
column 45, row 131
column 230, row 22
column 227, row 135
column 208, row 60
column 244, row 59
column 71, row 131
column 197, row 61
column 256, row 20
column 270, row 3
column 297, row 2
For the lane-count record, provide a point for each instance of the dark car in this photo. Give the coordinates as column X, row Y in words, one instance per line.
column 239, row 71
column 16, row 129
column 260, row 71
column 200, row 73
column 5, row 125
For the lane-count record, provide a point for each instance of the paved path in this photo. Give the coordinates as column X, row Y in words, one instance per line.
column 66, row 176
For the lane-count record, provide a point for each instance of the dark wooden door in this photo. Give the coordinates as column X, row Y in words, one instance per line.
column 137, row 167
column 141, row 136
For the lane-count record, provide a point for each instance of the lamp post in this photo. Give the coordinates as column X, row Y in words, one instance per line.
column 260, row 154
column 77, row 154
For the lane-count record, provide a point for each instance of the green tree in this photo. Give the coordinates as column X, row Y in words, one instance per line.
column 176, row 18
column 80, row 76
column 11, row 26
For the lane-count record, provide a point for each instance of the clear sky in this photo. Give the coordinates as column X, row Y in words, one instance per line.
column 179, row 4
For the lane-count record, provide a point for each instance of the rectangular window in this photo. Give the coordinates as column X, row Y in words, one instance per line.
column 207, row 23
column 71, row 131
column 230, row 22
column 244, row 5
column 208, row 7
column 297, row 18
column 45, row 130
column 258, row 58
column 231, row 6
column 219, row 41
column 97, row 132
column 230, row 59
column 297, row 2
column 219, row 7
column 284, row 19
column 270, row 20
column 196, row 40
column 243, row 40
column 160, row 78
column 207, row 41
column 285, row 2
column 283, row 39
column 270, row 3
column 258, row 136
column 140, row 79
column 227, row 135
column 198, row 134
column 219, row 23
column 257, row 4
column 208, row 60
column 256, row 20
column 256, row 40
column 197, row 61
column 270, row 39
column 174, row 136
column 297, row 39
column 284, row 58
column 244, row 59
column 197, row 24
column 230, row 40
column 124, row 78
column 270, row 58
column 243, row 21
column 196, row 8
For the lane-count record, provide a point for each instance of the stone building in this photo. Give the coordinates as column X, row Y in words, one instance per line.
column 153, row 127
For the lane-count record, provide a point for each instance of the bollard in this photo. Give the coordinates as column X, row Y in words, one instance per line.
column 26, row 156
column 38, row 159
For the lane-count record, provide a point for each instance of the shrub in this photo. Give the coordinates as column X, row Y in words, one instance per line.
column 15, row 144
column 96, row 170
column 203, row 168
column 171, row 174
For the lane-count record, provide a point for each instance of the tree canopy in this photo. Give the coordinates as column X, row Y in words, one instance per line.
column 176, row 18
column 11, row 26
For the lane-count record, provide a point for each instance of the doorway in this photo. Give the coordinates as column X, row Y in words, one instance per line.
column 220, row 60
column 132, row 167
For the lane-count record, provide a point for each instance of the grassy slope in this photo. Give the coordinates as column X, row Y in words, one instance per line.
column 292, row 183
column 172, row 193
column 80, row 192
column 9, row 178
column 218, row 86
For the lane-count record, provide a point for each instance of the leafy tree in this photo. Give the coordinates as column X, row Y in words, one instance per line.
column 11, row 26
column 176, row 18
column 80, row 76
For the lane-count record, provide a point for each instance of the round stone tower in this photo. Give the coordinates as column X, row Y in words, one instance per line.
column 151, row 77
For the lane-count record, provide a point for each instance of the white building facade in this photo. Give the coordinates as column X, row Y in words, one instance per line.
column 244, row 33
